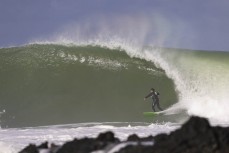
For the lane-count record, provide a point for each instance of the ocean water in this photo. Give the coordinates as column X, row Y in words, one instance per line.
column 13, row 140
column 51, row 91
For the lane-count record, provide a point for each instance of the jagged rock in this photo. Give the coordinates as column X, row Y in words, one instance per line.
column 133, row 137
column 136, row 149
column 195, row 136
column 88, row 145
column 149, row 138
column 43, row 146
column 107, row 137
column 30, row 149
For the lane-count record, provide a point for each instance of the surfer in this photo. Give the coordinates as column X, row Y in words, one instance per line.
column 155, row 97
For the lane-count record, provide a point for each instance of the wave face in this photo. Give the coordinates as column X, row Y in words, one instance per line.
column 56, row 84
column 43, row 84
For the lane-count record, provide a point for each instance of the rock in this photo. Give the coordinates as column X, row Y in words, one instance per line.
column 53, row 148
column 107, row 137
column 30, row 149
column 149, row 138
column 43, row 146
column 78, row 146
column 137, row 149
column 195, row 136
column 89, row 144
column 133, row 137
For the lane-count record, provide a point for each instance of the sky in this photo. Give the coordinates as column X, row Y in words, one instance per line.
column 191, row 24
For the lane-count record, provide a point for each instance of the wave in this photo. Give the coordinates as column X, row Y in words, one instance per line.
column 54, row 83
column 57, row 84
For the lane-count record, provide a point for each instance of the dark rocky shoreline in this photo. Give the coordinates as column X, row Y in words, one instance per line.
column 195, row 136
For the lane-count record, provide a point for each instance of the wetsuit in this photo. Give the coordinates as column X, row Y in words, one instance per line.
column 155, row 99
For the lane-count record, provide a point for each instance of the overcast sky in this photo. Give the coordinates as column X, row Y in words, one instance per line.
column 194, row 24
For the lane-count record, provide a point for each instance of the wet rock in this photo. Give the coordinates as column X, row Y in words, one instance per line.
column 43, row 146
column 133, row 137
column 30, row 149
column 88, row 145
column 137, row 149
column 195, row 136
column 107, row 137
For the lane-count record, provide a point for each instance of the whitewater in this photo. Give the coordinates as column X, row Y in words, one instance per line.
column 13, row 140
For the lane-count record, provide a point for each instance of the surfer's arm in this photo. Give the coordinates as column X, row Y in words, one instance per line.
column 150, row 94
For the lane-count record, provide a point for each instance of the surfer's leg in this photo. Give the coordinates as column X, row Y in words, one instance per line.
column 153, row 106
column 159, row 107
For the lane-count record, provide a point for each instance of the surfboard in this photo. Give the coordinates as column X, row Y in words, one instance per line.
column 150, row 113
column 153, row 113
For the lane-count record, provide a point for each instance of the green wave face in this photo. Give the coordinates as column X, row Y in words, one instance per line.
column 55, row 84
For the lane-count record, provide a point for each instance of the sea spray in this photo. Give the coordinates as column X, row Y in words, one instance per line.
column 200, row 78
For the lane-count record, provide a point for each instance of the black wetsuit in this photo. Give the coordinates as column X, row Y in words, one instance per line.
column 155, row 98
